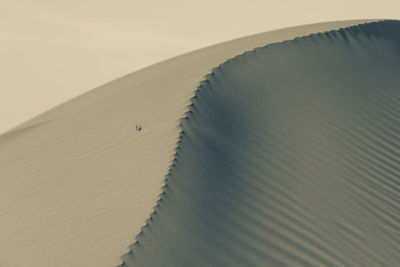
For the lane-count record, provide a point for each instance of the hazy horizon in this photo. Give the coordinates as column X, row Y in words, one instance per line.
column 54, row 51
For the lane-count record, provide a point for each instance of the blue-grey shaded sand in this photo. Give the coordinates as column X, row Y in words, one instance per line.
column 288, row 156
column 79, row 181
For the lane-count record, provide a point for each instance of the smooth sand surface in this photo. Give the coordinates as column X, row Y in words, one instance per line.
column 79, row 181
column 288, row 156
column 52, row 51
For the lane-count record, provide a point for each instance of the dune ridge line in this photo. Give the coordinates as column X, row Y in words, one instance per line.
column 192, row 106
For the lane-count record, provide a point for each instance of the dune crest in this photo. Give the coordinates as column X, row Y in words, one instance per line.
column 288, row 156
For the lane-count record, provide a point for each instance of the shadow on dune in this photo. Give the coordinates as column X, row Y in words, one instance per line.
column 288, row 156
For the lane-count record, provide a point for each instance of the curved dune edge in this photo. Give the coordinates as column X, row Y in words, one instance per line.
column 155, row 245
column 79, row 180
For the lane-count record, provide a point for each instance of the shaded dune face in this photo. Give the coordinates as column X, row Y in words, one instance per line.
column 79, row 181
column 288, row 156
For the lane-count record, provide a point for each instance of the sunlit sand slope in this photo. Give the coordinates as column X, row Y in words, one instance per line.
column 288, row 156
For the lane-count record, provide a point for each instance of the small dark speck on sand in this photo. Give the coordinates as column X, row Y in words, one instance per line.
column 138, row 127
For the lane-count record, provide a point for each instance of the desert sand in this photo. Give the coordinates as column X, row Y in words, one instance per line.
column 288, row 156
column 79, row 181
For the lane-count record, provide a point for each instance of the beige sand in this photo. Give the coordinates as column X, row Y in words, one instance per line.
column 79, row 181
column 288, row 156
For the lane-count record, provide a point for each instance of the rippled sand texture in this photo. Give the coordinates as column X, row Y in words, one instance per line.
column 78, row 182
column 288, row 156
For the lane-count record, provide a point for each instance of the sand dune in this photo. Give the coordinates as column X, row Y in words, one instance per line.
column 270, row 168
column 288, row 156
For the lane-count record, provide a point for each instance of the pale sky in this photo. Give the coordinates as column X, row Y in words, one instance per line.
column 54, row 50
